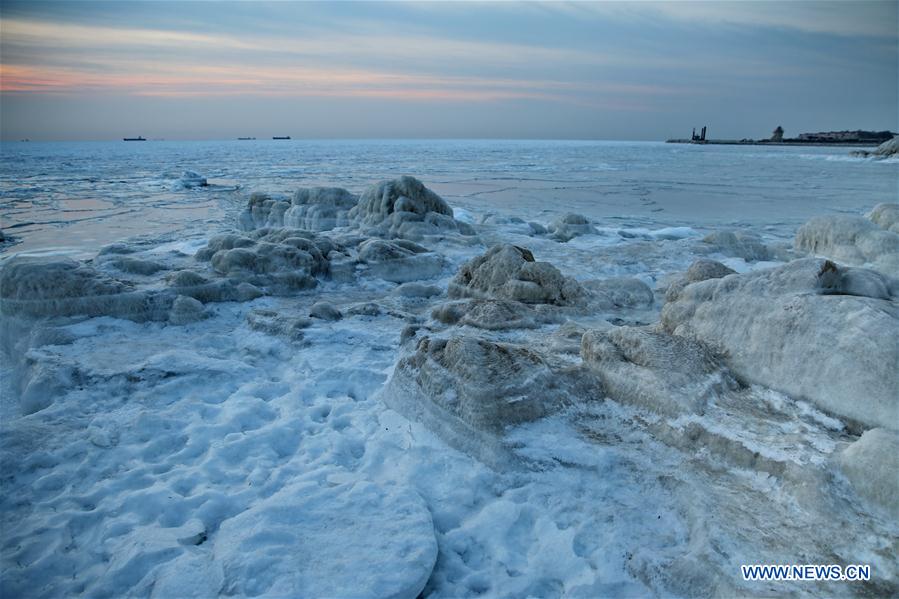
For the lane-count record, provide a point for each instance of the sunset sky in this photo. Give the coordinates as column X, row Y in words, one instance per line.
column 211, row 70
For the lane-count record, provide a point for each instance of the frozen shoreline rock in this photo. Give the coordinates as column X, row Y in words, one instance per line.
column 280, row 261
column 664, row 373
column 353, row 540
column 191, row 179
column 468, row 390
column 405, row 208
column 887, row 149
column 620, row 292
column 399, row 261
column 53, row 286
column 853, row 240
column 491, row 315
column 747, row 246
column 569, row 226
column 701, row 270
column 511, row 272
column 809, row 328
column 872, row 466
column 885, row 216
column 313, row 209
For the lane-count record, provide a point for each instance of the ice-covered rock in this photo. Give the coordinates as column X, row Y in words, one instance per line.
column 490, row 314
column 511, row 272
column 887, row 149
column 569, row 226
column 271, row 322
column 40, row 287
column 359, row 540
column 416, row 290
column 664, row 373
column 701, row 270
column 313, row 209
column 325, row 311
column 405, row 208
column 740, row 244
column 186, row 310
column 620, row 292
column 399, row 260
column 130, row 265
column 191, row 179
column 885, row 216
column 809, row 328
column 195, row 285
column 852, row 240
column 469, row 389
column 278, row 260
column 872, row 466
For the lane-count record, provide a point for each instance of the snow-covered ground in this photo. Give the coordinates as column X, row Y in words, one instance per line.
column 214, row 447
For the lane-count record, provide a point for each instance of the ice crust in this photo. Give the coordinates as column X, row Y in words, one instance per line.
column 855, row 240
column 386, row 396
column 809, row 328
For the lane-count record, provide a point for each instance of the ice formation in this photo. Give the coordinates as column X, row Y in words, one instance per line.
column 387, row 396
column 855, row 240
column 511, row 272
column 741, row 244
column 191, row 179
column 779, row 327
column 887, row 149
column 314, row 209
column 661, row 372
column 569, row 226
column 470, row 389
column 871, row 464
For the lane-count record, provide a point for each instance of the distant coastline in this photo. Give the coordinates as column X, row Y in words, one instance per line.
column 849, row 139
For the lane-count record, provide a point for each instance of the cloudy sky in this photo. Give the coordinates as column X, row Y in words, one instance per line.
column 641, row 70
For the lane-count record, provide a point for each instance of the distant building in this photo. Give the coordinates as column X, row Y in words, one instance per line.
column 847, row 136
column 778, row 134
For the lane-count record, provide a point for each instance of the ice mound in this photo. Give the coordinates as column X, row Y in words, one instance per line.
column 620, row 292
column 353, row 540
column 469, row 389
column 405, row 208
column 491, row 315
column 887, row 149
column 885, row 216
column 853, row 239
column 130, row 265
column 661, row 372
column 569, row 226
column 191, row 179
column 41, row 287
column 809, row 329
column 195, row 285
column 872, row 466
column 399, row 261
column 510, row 272
column 701, row 270
column 277, row 260
column 271, row 322
column 740, row 244
column 313, row 209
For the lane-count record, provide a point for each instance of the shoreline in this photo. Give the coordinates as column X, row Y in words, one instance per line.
column 737, row 142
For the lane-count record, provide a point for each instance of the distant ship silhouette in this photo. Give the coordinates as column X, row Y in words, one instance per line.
column 245, row 138
column 138, row 138
column 284, row 137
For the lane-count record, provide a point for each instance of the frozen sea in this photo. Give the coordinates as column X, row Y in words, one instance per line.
column 229, row 457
